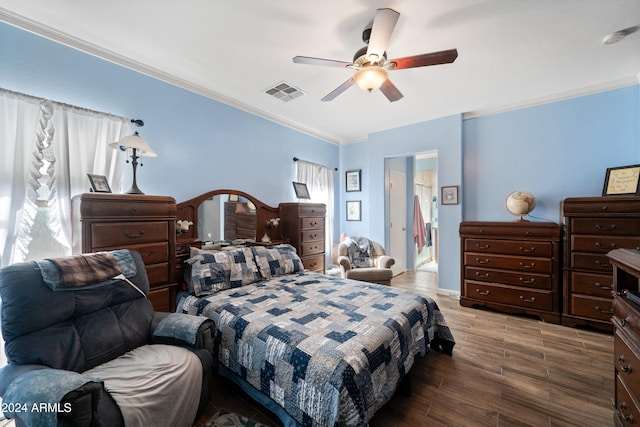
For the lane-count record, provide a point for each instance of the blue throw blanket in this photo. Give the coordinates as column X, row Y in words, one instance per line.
column 359, row 251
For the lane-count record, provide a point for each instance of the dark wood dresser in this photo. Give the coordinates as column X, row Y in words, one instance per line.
column 303, row 226
column 145, row 224
column 626, row 323
column 512, row 267
column 592, row 227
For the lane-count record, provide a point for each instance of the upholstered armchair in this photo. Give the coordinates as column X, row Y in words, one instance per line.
column 85, row 347
column 365, row 260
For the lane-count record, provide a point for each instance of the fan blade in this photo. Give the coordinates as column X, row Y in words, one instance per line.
column 390, row 91
column 337, row 91
column 383, row 25
column 319, row 61
column 434, row 58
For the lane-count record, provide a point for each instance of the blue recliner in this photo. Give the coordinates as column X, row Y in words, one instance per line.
column 72, row 348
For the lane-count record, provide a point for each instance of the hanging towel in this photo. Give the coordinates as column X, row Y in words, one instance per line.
column 419, row 230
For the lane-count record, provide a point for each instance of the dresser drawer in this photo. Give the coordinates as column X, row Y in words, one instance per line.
column 529, row 264
column 120, row 205
column 158, row 273
column 537, row 300
column 626, row 362
column 602, row 244
column 509, row 247
column 626, row 408
column 597, row 285
column 593, row 262
column 312, row 236
column 601, row 205
column 161, row 299
column 117, row 234
column 537, row 281
column 516, row 230
column 314, row 263
column 626, row 316
column 591, row 307
column 312, row 248
column 312, row 223
column 606, row 226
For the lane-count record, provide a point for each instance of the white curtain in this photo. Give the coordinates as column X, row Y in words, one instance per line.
column 319, row 180
column 71, row 142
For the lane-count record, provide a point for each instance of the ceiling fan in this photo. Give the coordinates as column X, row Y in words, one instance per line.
column 371, row 64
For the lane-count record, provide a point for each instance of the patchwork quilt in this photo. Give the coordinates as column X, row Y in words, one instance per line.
column 330, row 351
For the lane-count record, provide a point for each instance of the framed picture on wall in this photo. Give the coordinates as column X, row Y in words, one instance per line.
column 353, row 180
column 99, row 183
column 354, row 210
column 449, row 195
column 622, row 181
column 302, row 192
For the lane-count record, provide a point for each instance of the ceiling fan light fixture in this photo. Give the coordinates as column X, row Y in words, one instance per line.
column 370, row 78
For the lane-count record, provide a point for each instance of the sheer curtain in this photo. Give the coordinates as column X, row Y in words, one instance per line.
column 319, row 180
column 47, row 148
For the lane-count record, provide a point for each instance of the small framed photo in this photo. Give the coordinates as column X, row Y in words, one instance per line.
column 354, row 210
column 302, row 192
column 449, row 195
column 353, row 180
column 99, row 183
column 622, row 181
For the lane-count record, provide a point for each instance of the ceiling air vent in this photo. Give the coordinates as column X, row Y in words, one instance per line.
column 284, row 92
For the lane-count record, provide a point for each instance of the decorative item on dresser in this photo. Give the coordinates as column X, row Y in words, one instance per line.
column 145, row 224
column 512, row 267
column 592, row 227
column 626, row 323
column 303, row 226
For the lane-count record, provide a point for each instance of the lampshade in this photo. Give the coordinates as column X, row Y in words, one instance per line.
column 134, row 141
column 370, row 78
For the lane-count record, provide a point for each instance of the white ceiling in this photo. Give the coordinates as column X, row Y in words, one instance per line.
column 511, row 52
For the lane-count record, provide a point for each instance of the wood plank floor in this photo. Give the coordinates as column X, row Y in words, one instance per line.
column 505, row 370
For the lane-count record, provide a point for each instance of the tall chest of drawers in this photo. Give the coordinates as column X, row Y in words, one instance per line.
column 303, row 226
column 145, row 224
column 626, row 341
column 512, row 267
column 593, row 226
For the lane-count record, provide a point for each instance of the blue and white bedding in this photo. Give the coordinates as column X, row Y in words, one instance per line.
column 330, row 351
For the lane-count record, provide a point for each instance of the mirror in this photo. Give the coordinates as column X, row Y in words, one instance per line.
column 225, row 215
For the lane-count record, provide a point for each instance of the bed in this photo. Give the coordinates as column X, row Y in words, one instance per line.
column 317, row 350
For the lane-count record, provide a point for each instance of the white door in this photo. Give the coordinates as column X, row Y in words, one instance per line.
column 398, row 220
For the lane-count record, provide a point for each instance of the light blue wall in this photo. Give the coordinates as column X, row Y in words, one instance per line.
column 442, row 135
column 556, row 150
column 201, row 144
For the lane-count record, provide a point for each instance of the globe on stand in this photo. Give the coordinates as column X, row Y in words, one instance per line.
column 520, row 203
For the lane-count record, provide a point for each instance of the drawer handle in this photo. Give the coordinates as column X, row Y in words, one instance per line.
column 532, row 249
column 479, row 246
column 133, row 236
column 533, row 299
column 313, row 236
column 532, row 265
column 485, row 275
column 487, row 292
column 601, row 263
column 604, row 288
column 483, row 261
column 605, row 209
column 528, row 282
column 611, row 245
column 627, row 418
column 625, row 368
column 314, row 223
column 601, row 228
column 134, row 210
column 624, row 322
column 528, row 234
column 599, row 310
